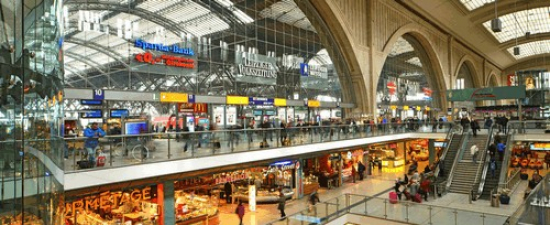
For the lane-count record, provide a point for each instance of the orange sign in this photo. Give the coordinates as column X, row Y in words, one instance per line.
column 193, row 107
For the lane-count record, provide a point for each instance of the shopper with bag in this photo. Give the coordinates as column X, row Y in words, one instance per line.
column 91, row 144
column 240, row 212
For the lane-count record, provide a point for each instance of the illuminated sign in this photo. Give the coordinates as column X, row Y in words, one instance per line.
column 540, row 146
column 167, row 60
column 260, row 101
column 163, row 48
column 193, row 107
column 119, row 113
column 173, row 97
column 95, row 113
column 279, row 102
column 285, row 165
column 319, row 71
column 313, row 103
column 237, row 100
column 91, row 102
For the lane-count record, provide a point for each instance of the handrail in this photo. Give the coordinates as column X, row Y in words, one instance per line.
column 449, row 137
column 457, row 159
column 486, row 161
column 506, row 159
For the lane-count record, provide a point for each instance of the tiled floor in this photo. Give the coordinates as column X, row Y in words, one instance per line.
column 379, row 184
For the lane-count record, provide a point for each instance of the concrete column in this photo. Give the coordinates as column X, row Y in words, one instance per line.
column 169, row 201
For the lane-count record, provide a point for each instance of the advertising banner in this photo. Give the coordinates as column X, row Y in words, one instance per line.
column 490, row 93
column 255, row 68
column 176, row 59
column 314, row 76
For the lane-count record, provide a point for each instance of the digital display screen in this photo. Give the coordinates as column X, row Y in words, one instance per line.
column 270, row 113
column 118, row 113
column 440, row 144
column 91, row 102
column 258, row 112
column 95, row 113
column 138, row 127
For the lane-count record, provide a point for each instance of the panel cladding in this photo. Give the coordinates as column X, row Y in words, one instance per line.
column 387, row 21
column 354, row 15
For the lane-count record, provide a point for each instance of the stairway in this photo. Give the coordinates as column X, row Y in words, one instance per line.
column 491, row 183
column 465, row 172
column 449, row 159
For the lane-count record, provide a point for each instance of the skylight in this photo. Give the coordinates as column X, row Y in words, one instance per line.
column 415, row 61
column 289, row 13
column 400, row 47
column 474, row 4
column 534, row 20
column 531, row 48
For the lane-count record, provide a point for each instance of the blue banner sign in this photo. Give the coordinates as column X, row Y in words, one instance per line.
column 191, row 98
column 260, row 101
column 94, row 113
column 163, row 48
column 310, row 219
column 99, row 94
column 119, row 113
column 90, row 102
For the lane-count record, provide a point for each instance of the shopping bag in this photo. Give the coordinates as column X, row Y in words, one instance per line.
column 101, row 159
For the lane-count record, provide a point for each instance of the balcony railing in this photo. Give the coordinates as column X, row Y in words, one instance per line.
column 123, row 150
column 402, row 211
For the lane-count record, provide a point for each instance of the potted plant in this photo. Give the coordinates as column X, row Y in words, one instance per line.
column 504, row 196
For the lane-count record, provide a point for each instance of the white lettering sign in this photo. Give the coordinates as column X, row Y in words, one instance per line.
column 257, row 69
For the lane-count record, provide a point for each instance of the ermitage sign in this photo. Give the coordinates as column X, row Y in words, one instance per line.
column 163, row 48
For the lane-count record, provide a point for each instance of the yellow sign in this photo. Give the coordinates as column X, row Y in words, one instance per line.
column 394, row 107
column 279, row 102
column 427, row 108
column 237, row 100
column 60, row 96
column 313, row 103
column 406, row 107
column 173, row 97
column 418, row 108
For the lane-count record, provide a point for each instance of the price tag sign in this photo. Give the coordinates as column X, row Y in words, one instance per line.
column 99, row 94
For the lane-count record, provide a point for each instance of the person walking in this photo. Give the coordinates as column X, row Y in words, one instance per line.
column 240, row 212
column 93, row 134
column 361, row 169
column 353, row 173
column 281, row 206
column 313, row 200
column 473, row 150
column 475, row 127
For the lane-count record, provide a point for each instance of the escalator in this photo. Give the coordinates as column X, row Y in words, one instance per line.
column 490, row 182
column 448, row 158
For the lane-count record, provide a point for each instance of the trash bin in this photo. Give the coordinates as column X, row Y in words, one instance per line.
column 495, row 200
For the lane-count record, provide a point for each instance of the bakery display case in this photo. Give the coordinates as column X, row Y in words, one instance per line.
column 196, row 209
column 263, row 196
column 311, row 184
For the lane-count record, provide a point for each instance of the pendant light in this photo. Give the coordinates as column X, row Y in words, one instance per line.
column 496, row 24
column 516, row 49
column 528, row 33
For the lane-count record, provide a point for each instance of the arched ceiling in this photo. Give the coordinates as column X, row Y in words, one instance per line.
column 525, row 23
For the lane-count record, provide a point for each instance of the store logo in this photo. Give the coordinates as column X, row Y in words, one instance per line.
column 167, row 60
column 163, row 48
column 250, row 67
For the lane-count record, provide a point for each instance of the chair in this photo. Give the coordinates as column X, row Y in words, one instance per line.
column 524, row 163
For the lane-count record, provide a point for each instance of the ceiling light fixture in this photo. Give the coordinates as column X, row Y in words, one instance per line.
column 516, row 49
column 496, row 24
column 528, row 33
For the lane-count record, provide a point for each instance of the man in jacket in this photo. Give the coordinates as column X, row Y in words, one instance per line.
column 501, row 147
column 228, row 192
column 361, row 169
column 93, row 134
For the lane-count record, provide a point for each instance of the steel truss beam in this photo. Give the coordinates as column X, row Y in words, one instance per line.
column 118, row 57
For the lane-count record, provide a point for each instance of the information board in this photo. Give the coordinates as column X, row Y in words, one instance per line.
column 91, row 102
column 118, row 113
column 94, row 113
column 99, row 94
column 260, row 101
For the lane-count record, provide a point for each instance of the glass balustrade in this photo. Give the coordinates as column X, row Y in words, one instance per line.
column 123, row 150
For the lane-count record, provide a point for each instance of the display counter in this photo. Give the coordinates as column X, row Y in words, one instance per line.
column 264, row 196
column 393, row 163
column 328, row 180
column 192, row 209
column 311, row 187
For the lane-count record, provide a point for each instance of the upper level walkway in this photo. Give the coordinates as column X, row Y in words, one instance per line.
column 169, row 156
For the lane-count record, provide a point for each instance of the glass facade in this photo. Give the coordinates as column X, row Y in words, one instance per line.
column 211, row 47
column 405, row 83
column 31, row 152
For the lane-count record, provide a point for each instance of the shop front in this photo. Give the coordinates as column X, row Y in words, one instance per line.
column 140, row 205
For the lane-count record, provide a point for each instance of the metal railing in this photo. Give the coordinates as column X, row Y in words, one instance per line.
column 486, row 160
column 458, row 157
column 504, row 178
column 449, row 139
column 121, row 150
column 402, row 211
column 534, row 210
column 529, row 126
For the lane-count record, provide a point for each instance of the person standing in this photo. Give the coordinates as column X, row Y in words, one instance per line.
column 240, row 212
column 500, row 148
column 475, row 127
column 492, row 150
column 488, row 123
column 361, row 170
column 353, row 173
column 281, row 206
column 228, row 189
column 493, row 166
column 473, row 150
column 93, row 134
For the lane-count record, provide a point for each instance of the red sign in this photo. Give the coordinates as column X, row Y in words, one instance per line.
column 391, row 87
column 168, row 60
column 511, row 80
column 193, row 107
column 427, row 91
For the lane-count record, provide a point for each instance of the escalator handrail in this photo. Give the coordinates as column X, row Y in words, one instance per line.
column 486, row 161
column 502, row 180
column 458, row 155
column 449, row 137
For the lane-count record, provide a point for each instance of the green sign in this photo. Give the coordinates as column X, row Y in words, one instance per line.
column 490, row 93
